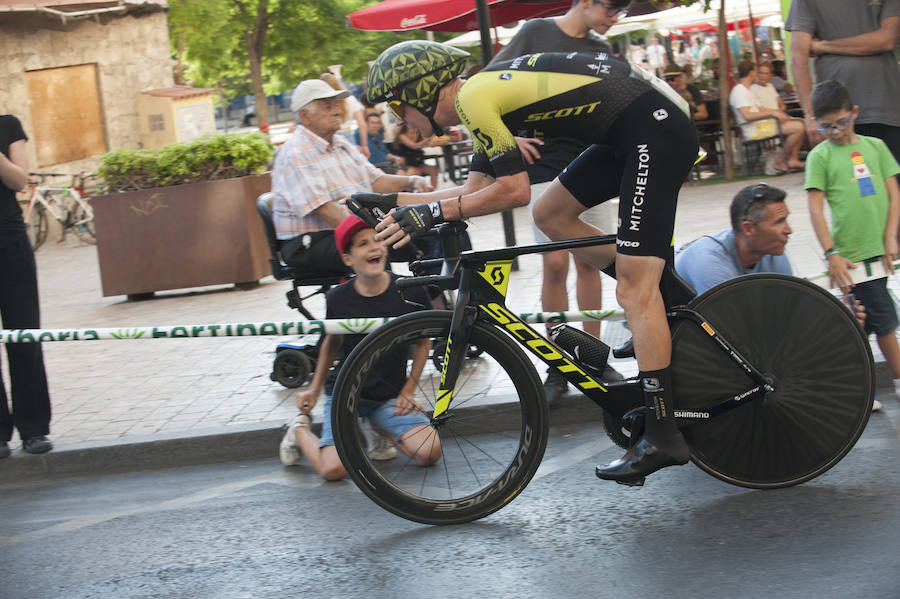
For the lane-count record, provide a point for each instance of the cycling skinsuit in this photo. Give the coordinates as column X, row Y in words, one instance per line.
column 645, row 142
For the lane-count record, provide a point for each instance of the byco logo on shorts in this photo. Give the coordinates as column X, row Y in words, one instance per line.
column 624, row 243
column 561, row 113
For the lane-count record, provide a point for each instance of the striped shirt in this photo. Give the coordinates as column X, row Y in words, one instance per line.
column 308, row 173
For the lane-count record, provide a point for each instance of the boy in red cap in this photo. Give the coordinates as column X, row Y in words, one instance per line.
column 371, row 293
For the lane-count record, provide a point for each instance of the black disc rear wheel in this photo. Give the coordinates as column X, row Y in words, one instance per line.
column 809, row 345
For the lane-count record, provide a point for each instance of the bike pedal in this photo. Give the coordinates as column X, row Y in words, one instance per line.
column 634, row 483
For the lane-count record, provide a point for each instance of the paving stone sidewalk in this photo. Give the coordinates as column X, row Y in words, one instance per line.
column 120, row 392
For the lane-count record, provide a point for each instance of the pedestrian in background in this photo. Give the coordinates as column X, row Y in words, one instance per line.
column 853, row 42
column 857, row 176
column 19, row 307
column 580, row 29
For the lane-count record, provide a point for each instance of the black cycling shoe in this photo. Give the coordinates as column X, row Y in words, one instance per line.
column 4, row 449
column 625, row 350
column 555, row 386
column 639, row 461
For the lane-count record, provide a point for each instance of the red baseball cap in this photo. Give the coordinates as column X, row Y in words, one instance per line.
column 345, row 231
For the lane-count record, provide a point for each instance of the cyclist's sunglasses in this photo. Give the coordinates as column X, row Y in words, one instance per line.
column 398, row 108
column 838, row 126
column 615, row 7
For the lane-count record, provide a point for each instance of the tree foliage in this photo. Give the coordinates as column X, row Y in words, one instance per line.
column 302, row 38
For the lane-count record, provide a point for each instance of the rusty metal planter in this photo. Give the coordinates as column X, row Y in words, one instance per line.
column 182, row 236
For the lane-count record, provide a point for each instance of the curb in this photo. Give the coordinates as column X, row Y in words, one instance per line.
column 236, row 443
column 213, row 446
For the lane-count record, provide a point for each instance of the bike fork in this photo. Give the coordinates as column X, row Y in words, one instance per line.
column 461, row 325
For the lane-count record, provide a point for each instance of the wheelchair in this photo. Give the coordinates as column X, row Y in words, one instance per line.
column 294, row 362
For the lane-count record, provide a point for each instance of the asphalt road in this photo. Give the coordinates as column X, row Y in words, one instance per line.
column 256, row 529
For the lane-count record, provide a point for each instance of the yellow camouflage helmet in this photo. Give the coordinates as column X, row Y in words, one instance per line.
column 414, row 72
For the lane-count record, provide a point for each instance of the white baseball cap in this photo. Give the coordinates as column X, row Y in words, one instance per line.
column 314, row 89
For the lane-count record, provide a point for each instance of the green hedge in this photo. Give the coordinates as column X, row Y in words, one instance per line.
column 205, row 159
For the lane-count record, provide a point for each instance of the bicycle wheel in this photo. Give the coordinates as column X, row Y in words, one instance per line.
column 82, row 219
column 37, row 226
column 804, row 340
column 492, row 440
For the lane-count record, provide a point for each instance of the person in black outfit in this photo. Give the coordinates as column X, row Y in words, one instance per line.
column 19, row 306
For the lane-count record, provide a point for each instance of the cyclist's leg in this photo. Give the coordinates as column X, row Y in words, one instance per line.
column 657, row 143
column 637, row 291
column 556, row 211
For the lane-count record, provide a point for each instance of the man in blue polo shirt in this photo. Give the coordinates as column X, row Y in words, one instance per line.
column 754, row 243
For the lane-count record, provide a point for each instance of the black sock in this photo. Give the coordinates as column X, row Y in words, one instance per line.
column 656, row 386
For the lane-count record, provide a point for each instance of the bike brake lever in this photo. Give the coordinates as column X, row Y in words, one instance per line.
column 371, row 218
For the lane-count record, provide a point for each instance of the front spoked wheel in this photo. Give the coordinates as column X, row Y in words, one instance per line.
column 491, row 440
column 809, row 345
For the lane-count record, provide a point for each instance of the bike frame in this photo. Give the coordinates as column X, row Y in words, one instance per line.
column 483, row 280
column 45, row 196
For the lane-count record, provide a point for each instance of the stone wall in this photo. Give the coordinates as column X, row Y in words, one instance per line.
column 131, row 53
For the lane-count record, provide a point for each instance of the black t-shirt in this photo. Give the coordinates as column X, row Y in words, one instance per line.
column 11, row 223
column 343, row 301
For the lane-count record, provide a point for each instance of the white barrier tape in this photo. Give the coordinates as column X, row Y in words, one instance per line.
column 254, row 329
column 862, row 273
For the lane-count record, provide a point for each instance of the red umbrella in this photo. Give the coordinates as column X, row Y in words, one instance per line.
column 449, row 15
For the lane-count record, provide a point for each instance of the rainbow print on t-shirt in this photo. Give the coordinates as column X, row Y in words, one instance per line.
column 862, row 175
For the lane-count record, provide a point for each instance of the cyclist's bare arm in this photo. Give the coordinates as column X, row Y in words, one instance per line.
column 473, row 183
column 14, row 170
column 498, row 194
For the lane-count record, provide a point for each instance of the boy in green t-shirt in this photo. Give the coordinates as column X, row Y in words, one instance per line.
column 857, row 175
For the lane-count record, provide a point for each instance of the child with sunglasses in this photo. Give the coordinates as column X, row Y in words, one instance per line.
column 856, row 174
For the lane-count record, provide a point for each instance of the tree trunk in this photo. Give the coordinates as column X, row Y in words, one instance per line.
column 724, row 115
column 255, row 40
column 179, row 61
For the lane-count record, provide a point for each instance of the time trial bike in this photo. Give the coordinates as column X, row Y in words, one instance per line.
column 773, row 383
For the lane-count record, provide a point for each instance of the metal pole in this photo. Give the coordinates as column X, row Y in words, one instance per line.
column 487, row 52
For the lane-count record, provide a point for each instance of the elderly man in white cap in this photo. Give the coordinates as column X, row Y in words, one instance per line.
column 313, row 171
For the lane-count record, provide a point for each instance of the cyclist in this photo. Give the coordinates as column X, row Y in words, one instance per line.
column 644, row 146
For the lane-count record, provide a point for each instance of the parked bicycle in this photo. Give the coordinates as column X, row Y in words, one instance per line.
column 773, row 384
column 66, row 204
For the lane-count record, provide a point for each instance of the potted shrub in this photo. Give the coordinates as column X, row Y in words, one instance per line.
column 183, row 215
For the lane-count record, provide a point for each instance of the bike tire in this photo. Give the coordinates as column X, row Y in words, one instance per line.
column 803, row 339
column 492, row 440
column 82, row 219
column 37, row 226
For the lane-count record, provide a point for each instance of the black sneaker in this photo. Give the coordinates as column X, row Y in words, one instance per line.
column 555, row 386
column 39, row 444
column 4, row 449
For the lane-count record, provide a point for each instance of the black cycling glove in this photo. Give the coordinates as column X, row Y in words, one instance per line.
column 416, row 219
column 366, row 205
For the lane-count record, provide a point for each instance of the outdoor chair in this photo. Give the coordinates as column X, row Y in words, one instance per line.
column 753, row 152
